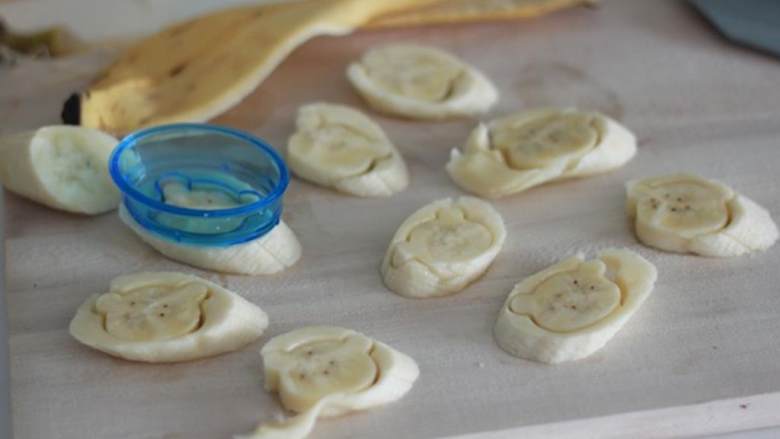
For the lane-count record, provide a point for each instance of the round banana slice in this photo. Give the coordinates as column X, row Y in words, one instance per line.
column 421, row 83
column 523, row 150
column 443, row 247
column 572, row 309
column 325, row 371
column 339, row 147
column 63, row 167
column 166, row 317
column 689, row 214
column 271, row 253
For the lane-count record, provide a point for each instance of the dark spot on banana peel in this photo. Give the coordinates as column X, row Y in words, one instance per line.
column 177, row 69
column 71, row 110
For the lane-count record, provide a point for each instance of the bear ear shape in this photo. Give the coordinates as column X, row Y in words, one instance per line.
column 325, row 371
column 572, row 309
column 443, row 247
column 421, row 83
column 685, row 213
column 167, row 317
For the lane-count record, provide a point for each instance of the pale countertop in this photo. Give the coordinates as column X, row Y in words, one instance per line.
column 694, row 100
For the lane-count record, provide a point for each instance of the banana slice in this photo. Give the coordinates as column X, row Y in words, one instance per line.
column 336, row 146
column 523, row 150
column 572, row 309
column 271, row 253
column 689, row 214
column 62, row 167
column 325, row 371
column 421, row 82
column 166, row 317
column 443, row 247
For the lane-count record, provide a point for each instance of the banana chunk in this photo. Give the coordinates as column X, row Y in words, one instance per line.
column 572, row 309
column 62, row 167
column 166, row 317
column 443, row 247
column 421, row 83
column 271, row 253
column 325, row 371
column 689, row 214
column 339, row 147
column 523, row 150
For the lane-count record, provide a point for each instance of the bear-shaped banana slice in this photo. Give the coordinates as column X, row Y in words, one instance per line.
column 523, row 150
column 339, row 147
column 443, row 247
column 421, row 83
column 572, row 309
column 62, row 167
column 166, row 317
column 688, row 214
column 324, row 371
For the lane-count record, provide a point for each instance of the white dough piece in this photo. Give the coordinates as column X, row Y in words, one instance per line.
column 325, row 371
column 572, row 309
column 523, row 150
column 63, row 167
column 339, row 147
column 167, row 317
column 688, row 214
column 421, row 83
column 443, row 247
column 271, row 253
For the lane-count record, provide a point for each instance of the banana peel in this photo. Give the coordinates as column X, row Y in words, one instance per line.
column 462, row 11
column 198, row 69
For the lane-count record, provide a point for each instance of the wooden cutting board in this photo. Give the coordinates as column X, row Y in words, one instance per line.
column 701, row 356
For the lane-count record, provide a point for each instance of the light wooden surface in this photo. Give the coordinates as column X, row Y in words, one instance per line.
column 701, row 356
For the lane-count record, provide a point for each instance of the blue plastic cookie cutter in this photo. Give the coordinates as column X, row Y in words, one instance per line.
column 244, row 173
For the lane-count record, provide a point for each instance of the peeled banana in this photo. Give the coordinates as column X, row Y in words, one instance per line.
column 324, row 371
column 517, row 152
column 62, row 167
column 572, row 309
column 421, row 83
column 271, row 253
column 339, row 147
column 688, row 214
column 166, row 317
column 443, row 247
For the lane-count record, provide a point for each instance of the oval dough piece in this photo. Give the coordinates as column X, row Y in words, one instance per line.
column 688, row 214
column 421, row 83
column 572, row 309
column 62, row 167
column 523, row 150
column 167, row 317
column 271, row 253
column 339, row 147
column 325, row 371
column 443, row 247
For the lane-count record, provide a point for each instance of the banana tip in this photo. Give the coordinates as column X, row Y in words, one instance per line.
column 71, row 110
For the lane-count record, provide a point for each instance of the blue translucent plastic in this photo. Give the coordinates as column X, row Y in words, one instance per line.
column 240, row 173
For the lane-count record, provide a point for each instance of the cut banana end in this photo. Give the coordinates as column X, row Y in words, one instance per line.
column 572, row 309
column 339, row 147
column 325, row 371
column 62, row 167
column 523, row 150
column 167, row 317
column 421, row 83
column 688, row 214
column 273, row 252
column 443, row 247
